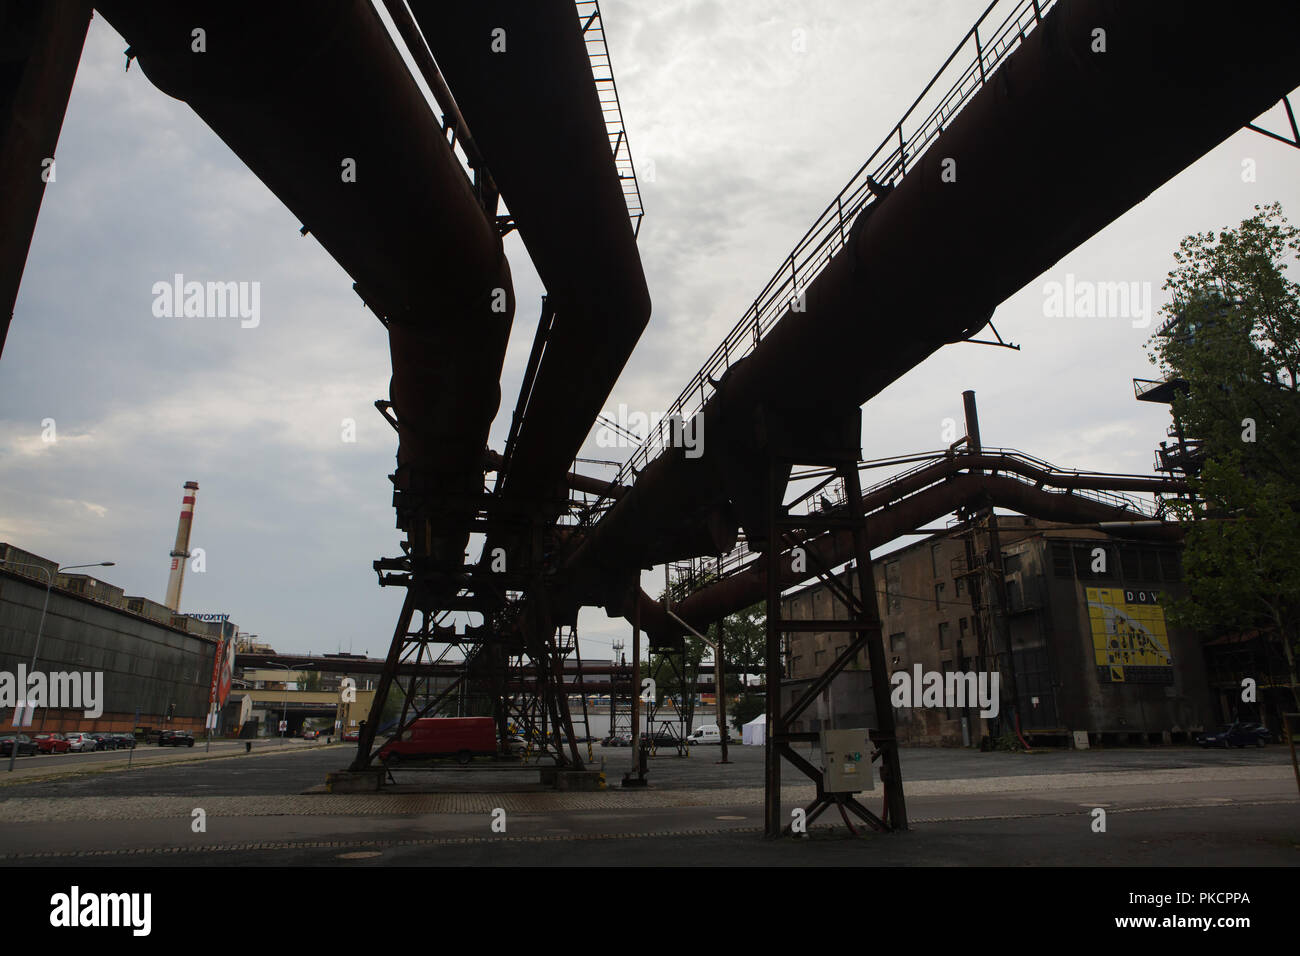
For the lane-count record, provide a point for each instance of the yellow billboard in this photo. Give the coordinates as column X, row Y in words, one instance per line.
column 1129, row 640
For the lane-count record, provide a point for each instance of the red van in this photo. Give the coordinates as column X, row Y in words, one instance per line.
column 461, row 737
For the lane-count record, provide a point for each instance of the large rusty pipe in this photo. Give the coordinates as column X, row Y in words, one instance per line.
column 522, row 77
column 884, row 524
column 1028, row 189
column 314, row 97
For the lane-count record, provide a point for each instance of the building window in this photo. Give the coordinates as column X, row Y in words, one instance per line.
column 961, row 587
column 943, row 635
column 1150, row 565
column 934, row 559
column 898, row 649
column 894, row 586
column 1062, row 562
column 1170, row 566
column 938, row 597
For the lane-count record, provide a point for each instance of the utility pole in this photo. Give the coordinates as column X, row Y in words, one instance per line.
column 720, row 687
column 616, row 669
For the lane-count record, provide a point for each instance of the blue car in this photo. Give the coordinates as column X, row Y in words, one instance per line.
column 1239, row 734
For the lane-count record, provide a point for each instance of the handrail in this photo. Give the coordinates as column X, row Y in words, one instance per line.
column 886, row 166
column 602, row 70
column 739, row 558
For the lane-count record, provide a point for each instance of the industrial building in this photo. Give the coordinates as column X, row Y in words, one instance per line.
column 1068, row 591
column 157, row 665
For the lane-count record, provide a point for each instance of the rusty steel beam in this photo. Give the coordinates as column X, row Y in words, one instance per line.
column 896, row 510
column 42, row 46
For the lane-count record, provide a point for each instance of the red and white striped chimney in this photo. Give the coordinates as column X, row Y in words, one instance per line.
column 181, row 550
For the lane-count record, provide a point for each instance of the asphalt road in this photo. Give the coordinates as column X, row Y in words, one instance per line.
column 1164, row 806
column 295, row 769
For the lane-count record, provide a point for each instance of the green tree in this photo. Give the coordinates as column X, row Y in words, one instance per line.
column 1233, row 338
column 746, row 708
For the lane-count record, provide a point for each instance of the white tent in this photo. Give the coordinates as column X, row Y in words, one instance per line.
column 754, row 733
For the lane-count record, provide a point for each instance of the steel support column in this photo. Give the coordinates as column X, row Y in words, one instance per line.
column 863, row 623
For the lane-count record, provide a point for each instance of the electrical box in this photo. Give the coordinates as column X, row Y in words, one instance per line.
column 846, row 761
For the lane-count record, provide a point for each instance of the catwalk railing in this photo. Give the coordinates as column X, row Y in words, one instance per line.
column 999, row 30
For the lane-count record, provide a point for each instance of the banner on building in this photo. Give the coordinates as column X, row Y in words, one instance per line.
column 1129, row 639
column 223, row 665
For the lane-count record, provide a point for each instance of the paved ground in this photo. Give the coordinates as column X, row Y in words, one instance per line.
column 64, row 766
column 298, row 767
column 1170, row 806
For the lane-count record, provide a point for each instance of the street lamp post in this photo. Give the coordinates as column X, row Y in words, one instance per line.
column 40, row 627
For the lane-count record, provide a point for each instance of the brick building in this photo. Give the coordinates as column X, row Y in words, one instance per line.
column 1090, row 650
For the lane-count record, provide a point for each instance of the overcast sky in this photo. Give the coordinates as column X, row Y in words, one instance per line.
column 747, row 137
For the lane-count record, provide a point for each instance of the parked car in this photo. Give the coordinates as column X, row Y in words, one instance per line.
column 461, row 737
column 664, row 737
column 105, row 741
column 79, row 742
column 351, row 736
column 1239, row 734
column 708, row 734
column 26, row 746
column 125, row 741
column 617, row 740
column 311, row 735
column 52, row 743
column 176, row 738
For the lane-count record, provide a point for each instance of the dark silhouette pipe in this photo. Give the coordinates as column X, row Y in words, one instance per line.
column 899, row 508
column 42, row 46
column 300, row 90
column 530, row 97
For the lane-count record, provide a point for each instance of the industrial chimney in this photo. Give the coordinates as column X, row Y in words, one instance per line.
column 181, row 550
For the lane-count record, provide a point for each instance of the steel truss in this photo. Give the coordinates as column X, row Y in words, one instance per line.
column 512, row 666
column 786, row 528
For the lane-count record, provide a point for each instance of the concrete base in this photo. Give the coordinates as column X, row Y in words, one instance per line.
column 580, row 780
column 349, row 781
